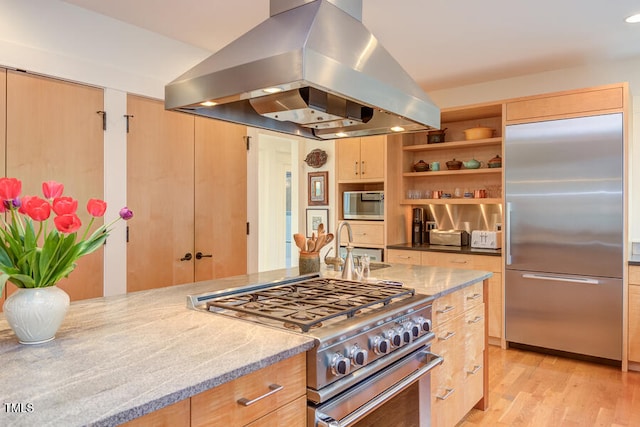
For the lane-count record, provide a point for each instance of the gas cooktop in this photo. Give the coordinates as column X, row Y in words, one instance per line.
column 306, row 304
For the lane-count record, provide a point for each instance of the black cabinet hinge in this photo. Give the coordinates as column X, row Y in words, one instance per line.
column 248, row 228
column 128, row 116
column 248, row 141
column 104, row 119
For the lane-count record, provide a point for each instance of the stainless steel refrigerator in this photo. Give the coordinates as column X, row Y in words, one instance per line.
column 564, row 221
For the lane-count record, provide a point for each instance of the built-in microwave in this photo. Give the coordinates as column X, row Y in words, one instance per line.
column 363, row 205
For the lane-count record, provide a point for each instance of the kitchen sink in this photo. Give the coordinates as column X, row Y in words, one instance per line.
column 377, row 266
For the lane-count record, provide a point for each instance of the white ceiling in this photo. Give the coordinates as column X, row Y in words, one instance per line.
column 440, row 43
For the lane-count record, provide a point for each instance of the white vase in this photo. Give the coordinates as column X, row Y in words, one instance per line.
column 35, row 314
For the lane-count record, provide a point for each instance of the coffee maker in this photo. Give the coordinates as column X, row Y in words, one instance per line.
column 417, row 226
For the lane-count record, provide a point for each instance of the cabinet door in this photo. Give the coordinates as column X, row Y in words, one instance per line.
column 160, row 191
column 53, row 132
column 176, row 415
column 220, row 199
column 3, row 114
column 348, row 159
column 372, row 157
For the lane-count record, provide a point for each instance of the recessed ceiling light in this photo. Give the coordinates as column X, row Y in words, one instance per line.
column 272, row 90
column 633, row 19
column 397, row 129
column 208, row 103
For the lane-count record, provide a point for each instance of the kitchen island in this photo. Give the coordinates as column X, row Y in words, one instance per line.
column 117, row 358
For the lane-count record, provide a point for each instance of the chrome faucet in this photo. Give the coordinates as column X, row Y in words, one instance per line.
column 347, row 265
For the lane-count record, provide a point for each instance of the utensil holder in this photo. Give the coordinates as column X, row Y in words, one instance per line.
column 309, row 262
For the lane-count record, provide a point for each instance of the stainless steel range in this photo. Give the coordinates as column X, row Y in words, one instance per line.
column 372, row 339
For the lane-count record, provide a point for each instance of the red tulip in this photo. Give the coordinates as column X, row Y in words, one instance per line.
column 65, row 205
column 38, row 209
column 67, row 223
column 52, row 189
column 10, row 188
column 23, row 202
column 96, row 207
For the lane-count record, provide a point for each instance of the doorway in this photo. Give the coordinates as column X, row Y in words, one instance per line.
column 273, row 195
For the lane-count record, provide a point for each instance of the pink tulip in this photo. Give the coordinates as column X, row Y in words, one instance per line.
column 52, row 189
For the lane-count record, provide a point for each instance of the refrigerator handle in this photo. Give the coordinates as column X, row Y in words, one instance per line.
column 507, row 234
column 561, row 279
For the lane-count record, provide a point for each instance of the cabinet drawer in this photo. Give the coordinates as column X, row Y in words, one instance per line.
column 219, row 406
column 472, row 296
column 364, row 234
column 399, row 256
column 473, row 337
column 446, row 308
column 566, row 104
column 634, row 275
column 464, row 261
column 293, row 414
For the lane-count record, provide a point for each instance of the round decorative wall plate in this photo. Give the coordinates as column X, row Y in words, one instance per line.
column 316, row 158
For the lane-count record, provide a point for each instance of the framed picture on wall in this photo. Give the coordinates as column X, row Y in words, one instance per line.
column 318, row 194
column 315, row 217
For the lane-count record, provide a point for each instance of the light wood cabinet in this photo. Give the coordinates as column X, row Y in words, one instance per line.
column 478, row 262
column 460, row 383
column 400, row 256
column 53, row 131
column 361, row 159
column 187, row 183
column 278, row 392
column 566, row 104
column 634, row 317
column 176, row 415
column 219, row 406
column 3, row 113
column 365, row 233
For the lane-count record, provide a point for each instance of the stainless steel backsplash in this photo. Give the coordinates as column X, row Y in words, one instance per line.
column 465, row 217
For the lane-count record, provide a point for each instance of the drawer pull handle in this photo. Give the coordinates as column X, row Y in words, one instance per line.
column 274, row 388
column 475, row 296
column 445, row 310
column 461, row 261
column 449, row 392
column 474, row 320
column 474, row 370
column 447, row 337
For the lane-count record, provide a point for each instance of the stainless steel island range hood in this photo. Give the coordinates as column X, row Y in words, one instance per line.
column 312, row 69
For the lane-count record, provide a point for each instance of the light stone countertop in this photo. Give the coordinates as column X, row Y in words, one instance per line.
column 117, row 358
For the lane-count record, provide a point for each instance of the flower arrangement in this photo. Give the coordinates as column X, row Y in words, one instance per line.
column 37, row 256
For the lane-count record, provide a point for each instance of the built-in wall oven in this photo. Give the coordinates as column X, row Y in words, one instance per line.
column 372, row 344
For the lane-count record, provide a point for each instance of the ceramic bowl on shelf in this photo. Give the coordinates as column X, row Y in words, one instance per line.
column 454, row 164
column 421, row 166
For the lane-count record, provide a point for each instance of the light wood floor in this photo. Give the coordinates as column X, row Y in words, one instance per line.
column 536, row 390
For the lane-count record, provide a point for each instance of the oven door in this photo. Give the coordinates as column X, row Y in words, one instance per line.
column 370, row 396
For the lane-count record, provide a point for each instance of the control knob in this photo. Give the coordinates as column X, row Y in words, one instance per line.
column 358, row 356
column 381, row 345
column 425, row 324
column 413, row 328
column 340, row 365
column 395, row 337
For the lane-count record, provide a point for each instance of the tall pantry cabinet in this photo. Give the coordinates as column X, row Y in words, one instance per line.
column 186, row 179
column 53, row 131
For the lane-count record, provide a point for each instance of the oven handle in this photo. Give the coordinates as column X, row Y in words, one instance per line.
column 323, row 420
